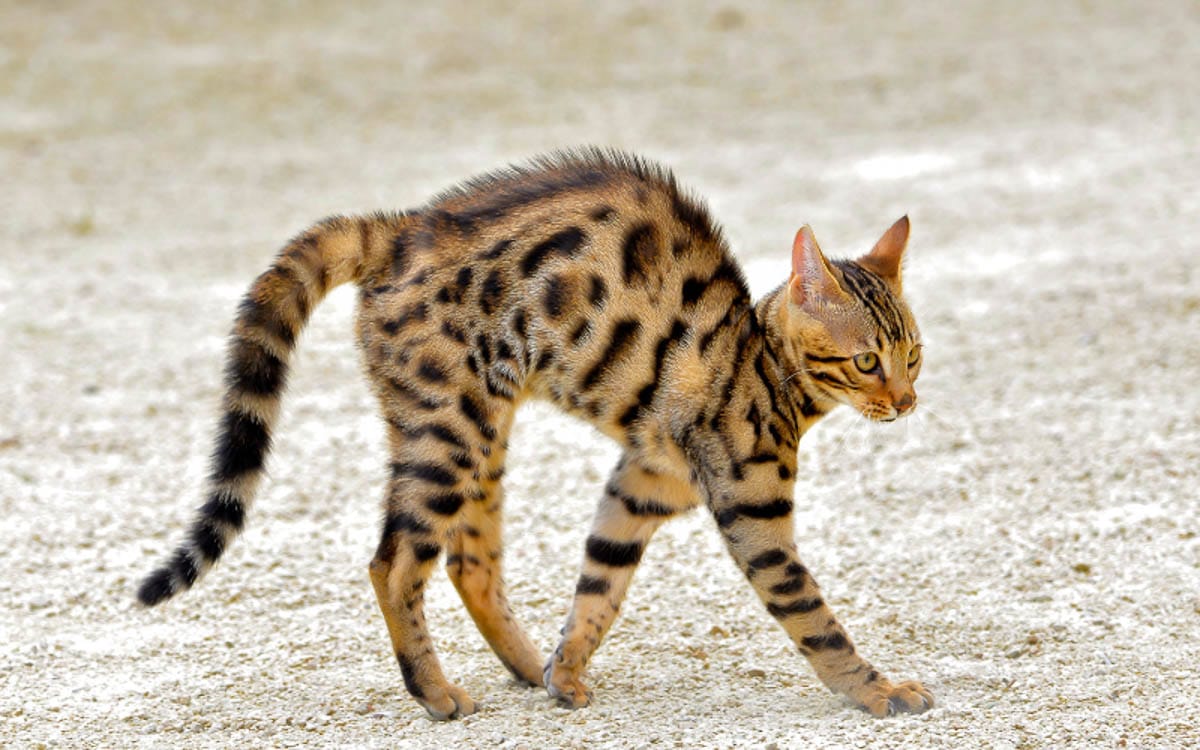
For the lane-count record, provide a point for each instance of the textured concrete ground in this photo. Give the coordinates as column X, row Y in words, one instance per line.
column 1026, row 545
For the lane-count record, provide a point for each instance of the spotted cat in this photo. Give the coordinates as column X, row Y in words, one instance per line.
column 589, row 279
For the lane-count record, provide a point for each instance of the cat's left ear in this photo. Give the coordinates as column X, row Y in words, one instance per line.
column 885, row 258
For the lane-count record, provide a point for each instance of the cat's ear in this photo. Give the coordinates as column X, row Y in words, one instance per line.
column 814, row 282
column 886, row 257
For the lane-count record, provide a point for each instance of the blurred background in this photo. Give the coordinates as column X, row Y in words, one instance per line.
column 1026, row 545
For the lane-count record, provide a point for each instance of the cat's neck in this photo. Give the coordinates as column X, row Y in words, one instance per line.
column 793, row 385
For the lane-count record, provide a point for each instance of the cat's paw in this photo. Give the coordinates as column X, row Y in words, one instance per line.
column 566, row 688
column 450, row 702
column 882, row 698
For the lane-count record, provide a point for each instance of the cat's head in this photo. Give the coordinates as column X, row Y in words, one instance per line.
column 854, row 337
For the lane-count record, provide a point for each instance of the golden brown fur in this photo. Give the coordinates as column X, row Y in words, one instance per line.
column 592, row 281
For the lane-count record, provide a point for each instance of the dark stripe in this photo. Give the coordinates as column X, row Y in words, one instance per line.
column 602, row 213
column 520, row 325
column 253, row 369
column 485, row 349
column 183, row 567
column 564, row 243
column 425, row 551
column 769, row 559
column 410, row 677
column 555, row 298
column 400, row 259
column 678, row 331
column 156, row 587
column 826, row 377
column 404, row 521
column 693, row 215
column 583, row 329
column 414, row 313
column 777, row 508
column 439, row 431
column 798, row 607
column 498, row 193
column 207, row 540
column 499, row 249
column 612, row 553
column 451, row 329
column 640, row 252
column 825, row 360
column 591, row 585
column 624, row 333
column 427, row 472
column 446, row 504
column 241, row 446
column 261, row 316
column 222, row 507
column 474, row 412
column 635, row 507
column 413, row 395
column 829, row 642
column 491, row 293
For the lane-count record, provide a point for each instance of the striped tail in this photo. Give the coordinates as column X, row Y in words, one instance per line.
column 274, row 310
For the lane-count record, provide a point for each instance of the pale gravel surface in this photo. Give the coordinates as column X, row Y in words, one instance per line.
column 1027, row 545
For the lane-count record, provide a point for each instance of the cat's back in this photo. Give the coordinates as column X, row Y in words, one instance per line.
column 565, row 267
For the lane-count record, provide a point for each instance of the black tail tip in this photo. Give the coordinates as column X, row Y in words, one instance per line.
column 156, row 587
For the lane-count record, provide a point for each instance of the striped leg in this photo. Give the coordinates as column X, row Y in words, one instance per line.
column 759, row 535
column 635, row 503
column 435, row 473
column 473, row 562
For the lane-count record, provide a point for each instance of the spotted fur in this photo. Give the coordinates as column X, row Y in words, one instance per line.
column 591, row 280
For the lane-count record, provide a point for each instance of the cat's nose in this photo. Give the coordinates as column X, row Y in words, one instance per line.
column 906, row 402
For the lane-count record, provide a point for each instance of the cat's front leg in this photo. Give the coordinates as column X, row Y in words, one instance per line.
column 758, row 532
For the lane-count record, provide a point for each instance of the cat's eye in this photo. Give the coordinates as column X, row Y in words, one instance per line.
column 867, row 361
column 914, row 356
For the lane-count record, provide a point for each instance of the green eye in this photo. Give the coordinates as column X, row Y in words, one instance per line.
column 914, row 356
column 867, row 361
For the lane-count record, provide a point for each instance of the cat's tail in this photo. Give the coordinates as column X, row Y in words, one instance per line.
column 271, row 315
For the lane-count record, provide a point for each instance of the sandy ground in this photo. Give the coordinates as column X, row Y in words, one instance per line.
column 1027, row 545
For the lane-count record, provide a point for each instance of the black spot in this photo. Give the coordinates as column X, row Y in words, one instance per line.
column 792, row 585
column 430, row 371
column 591, row 585
column 484, row 348
column 692, row 289
column 427, row 472
column 640, row 252
column 520, row 325
column 491, row 293
column 452, row 330
column 598, row 291
column 463, row 279
column 555, row 299
column 630, row 415
column 564, row 243
column 613, row 553
column 241, row 447
column 602, row 213
column 694, row 216
column 400, row 259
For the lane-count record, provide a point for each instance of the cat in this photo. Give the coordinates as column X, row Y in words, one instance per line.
column 590, row 279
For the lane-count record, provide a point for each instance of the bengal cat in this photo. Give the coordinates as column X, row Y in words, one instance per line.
column 592, row 280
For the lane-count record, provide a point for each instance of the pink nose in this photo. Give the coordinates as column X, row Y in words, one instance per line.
column 906, row 402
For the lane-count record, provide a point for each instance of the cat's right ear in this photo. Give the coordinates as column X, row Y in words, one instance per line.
column 814, row 282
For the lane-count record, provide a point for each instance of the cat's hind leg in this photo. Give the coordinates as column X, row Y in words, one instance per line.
column 473, row 558
column 636, row 502
column 437, row 458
